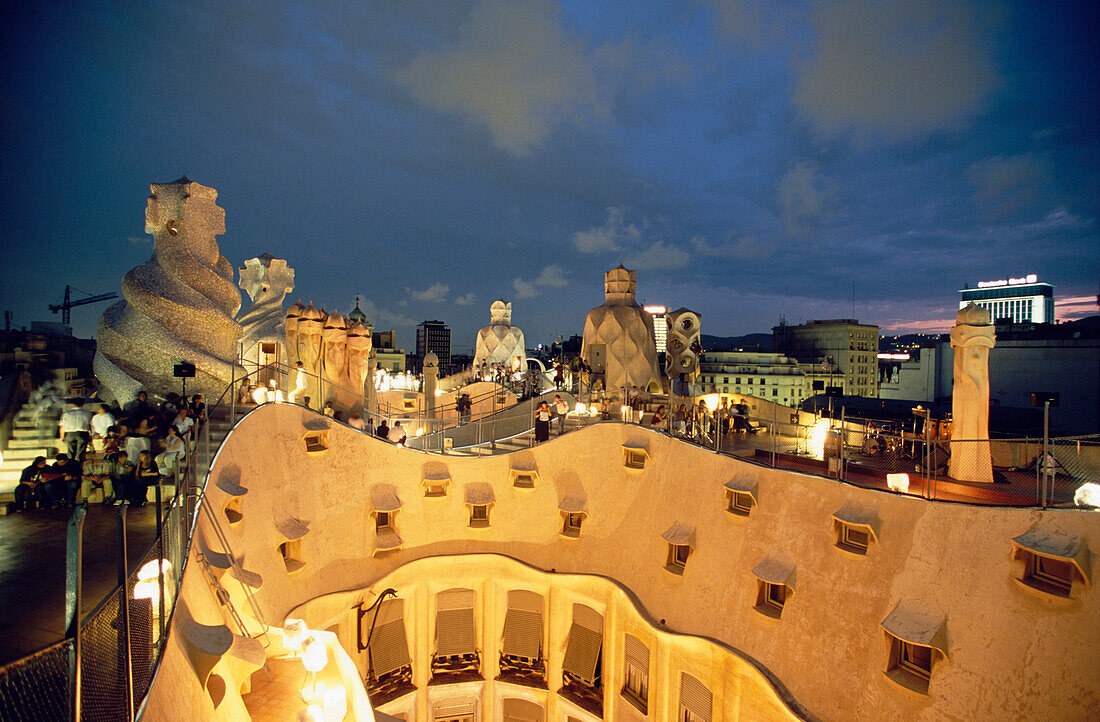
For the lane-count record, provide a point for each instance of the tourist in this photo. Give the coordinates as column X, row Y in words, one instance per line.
column 146, row 474
column 31, row 490
column 559, row 375
column 101, row 423
column 137, row 439
column 75, row 428
column 542, row 422
column 183, row 423
column 561, row 410
column 383, row 430
column 244, row 393
column 198, row 409
column 63, row 478
column 329, row 410
column 464, row 407
column 680, row 423
column 300, row 382
column 356, row 421
column 121, row 474
column 660, row 417
column 139, row 408
column 397, row 434
column 368, row 429
column 168, row 461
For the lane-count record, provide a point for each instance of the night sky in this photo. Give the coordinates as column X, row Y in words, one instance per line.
column 752, row 160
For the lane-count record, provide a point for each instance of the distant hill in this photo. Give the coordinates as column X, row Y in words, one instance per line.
column 748, row 342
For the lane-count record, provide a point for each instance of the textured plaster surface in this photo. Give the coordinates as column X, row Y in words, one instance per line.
column 500, row 341
column 177, row 306
column 626, row 333
column 1011, row 653
column 266, row 280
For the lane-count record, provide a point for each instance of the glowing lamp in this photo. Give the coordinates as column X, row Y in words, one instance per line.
column 816, row 440
column 335, row 704
column 580, row 409
column 260, row 395
column 150, row 571
column 312, row 713
column 898, row 482
column 1087, row 495
column 294, row 633
column 314, row 659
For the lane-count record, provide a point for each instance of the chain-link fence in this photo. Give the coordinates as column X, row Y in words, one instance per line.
column 120, row 641
column 37, row 687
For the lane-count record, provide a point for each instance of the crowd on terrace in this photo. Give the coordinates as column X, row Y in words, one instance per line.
column 118, row 452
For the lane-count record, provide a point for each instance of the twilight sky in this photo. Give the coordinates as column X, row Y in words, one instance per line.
column 750, row 158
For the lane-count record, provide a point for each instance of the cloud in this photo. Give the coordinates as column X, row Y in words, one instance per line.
column 524, row 289
column 380, row 317
column 513, row 69
column 805, row 197
column 894, row 70
column 467, row 300
column 551, row 277
column 1003, row 184
column 139, row 240
column 611, row 236
column 743, row 247
column 659, row 256
column 434, row 293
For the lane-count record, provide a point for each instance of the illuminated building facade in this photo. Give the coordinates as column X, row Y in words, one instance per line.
column 1022, row 300
column 839, row 345
column 770, row 376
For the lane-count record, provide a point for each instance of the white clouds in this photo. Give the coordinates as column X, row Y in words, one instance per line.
column 744, row 247
column 552, row 276
column 380, row 317
column 434, row 293
column 658, row 256
column 611, row 236
column 894, row 70
column 514, row 69
column 805, row 197
column 467, row 300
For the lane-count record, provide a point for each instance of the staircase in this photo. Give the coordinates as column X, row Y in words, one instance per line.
column 29, row 438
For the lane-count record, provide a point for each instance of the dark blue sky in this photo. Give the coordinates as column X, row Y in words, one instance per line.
column 749, row 159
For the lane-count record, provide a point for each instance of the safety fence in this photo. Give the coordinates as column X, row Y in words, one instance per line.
column 103, row 667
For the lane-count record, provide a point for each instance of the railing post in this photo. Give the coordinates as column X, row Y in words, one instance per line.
column 775, row 432
column 73, row 582
column 840, row 450
column 160, row 558
column 123, row 576
column 1047, row 468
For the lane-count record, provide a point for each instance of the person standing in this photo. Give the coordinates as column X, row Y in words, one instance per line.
column 542, row 422
column 76, row 430
column 101, row 423
column 561, row 410
column 300, row 383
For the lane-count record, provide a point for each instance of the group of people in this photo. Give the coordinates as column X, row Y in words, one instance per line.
column 545, row 413
column 135, row 445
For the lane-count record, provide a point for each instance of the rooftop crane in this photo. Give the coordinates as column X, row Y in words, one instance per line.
column 65, row 305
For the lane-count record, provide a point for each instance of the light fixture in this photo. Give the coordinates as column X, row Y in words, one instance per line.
column 294, row 633
column 314, row 659
column 898, row 482
column 1087, row 494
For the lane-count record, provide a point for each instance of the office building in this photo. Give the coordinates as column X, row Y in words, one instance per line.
column 838, row 348
column 434, row 336
column 1020, row 300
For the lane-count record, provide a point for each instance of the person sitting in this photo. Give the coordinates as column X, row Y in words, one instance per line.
column 198, row 409
column 244, row 394
column 122, row 479
column 356, row 422
column 397, row 435
column 168, row 461
column 329, row 410
column 137, row 439
column 660, row 417
column 31, row 489
column 63, row 477
column 139, row 408
column 383, row 430
column 146, row 474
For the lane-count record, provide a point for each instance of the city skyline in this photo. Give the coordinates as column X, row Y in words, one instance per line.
column 750, row 160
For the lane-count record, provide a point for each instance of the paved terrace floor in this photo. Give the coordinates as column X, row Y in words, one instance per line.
column 32, row 570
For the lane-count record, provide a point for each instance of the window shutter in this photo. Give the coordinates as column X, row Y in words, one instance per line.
column 695, row 697
column 523, row 625
column 389, row 648
column 521, row 710
column 454, row 623
column 637, row 653
column 582, row 650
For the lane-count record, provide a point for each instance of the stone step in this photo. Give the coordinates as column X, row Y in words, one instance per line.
column 33, row 443
column 34, row 432
column 11, row 475
column 20, row 454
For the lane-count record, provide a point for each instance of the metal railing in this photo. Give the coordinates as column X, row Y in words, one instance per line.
column 102, row 669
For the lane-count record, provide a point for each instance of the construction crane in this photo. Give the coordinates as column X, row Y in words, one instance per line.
column 68, row 303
